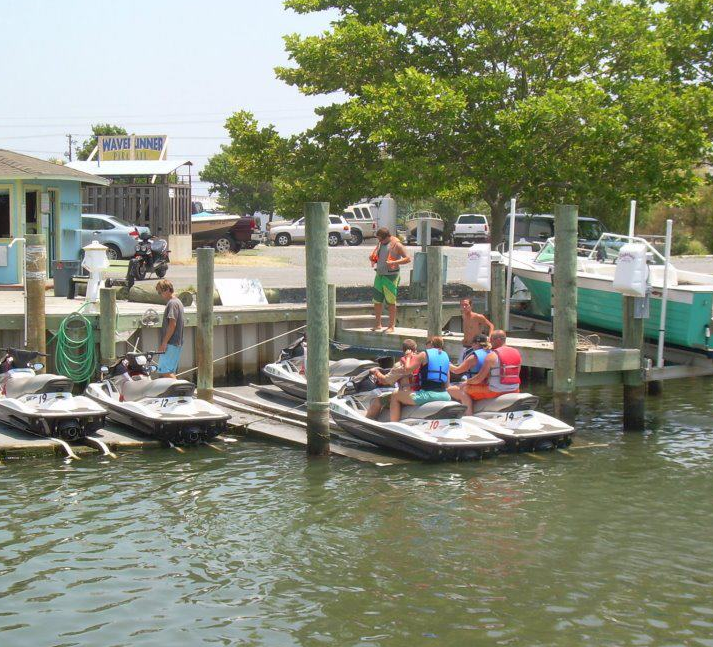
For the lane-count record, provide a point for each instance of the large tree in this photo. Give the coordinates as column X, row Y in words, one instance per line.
column 85, row 150
column 546, row 100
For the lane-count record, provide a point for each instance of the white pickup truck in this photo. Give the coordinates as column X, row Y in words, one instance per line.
column 470, row 228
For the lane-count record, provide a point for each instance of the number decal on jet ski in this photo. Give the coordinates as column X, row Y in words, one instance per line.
column 164, row 403
column 435, row 424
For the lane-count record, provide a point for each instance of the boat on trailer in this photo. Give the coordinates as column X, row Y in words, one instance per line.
column 433, row 219
column 600, row 306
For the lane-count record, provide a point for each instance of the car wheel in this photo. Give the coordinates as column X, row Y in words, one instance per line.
column 113, row 253
column 283, row 240
column 334, row 239
column 356, row 238
column 224, row 245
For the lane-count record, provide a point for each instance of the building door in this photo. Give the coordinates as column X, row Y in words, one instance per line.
column 51, row 232
column 32, row 209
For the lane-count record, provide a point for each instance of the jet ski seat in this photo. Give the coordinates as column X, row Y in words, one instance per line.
column 428, row 411
column 350, row 367
column 507, row 402
column 163, row 387
column 19, row 386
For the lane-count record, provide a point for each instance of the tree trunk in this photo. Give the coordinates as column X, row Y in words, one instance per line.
column 497, row 221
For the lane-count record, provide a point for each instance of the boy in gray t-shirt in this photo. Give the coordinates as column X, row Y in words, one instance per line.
column 171, row 331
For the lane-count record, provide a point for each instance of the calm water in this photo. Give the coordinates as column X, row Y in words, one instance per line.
column 611, row 545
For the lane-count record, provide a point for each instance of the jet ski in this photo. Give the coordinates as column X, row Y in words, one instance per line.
column 43, row 404
column 517, row 422
column 288, row 372
column 163, row 408
column 434, row 431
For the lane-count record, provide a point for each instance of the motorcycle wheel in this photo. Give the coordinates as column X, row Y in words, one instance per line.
column 140, row 271
column 161, row 271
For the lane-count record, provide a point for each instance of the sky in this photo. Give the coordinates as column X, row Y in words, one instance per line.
column 156, row 67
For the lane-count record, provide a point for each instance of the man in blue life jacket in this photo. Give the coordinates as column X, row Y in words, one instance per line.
column 472, row 362
column 435, row 365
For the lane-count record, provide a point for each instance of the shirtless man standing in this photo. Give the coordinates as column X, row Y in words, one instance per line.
column 474, row 324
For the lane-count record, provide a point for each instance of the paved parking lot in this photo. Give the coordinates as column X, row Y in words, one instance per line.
column 284, row 267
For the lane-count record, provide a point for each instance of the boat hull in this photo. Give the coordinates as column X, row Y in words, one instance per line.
column 600, row 307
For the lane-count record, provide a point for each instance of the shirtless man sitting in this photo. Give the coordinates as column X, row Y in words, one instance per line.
column 474, row 324
column 402, row 375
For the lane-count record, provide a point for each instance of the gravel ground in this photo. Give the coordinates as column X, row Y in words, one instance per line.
column 284, row 267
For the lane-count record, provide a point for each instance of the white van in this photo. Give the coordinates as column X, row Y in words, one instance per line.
column 362, row 219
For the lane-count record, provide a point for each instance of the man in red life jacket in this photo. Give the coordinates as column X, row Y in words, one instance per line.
column 499, row 374
column 386, row 259
column 404, row 374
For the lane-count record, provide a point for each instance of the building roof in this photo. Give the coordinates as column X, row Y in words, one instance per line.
column 117, row 168
column 16, row 166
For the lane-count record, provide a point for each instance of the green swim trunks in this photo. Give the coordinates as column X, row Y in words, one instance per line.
column 421, row 397
column 385, row 288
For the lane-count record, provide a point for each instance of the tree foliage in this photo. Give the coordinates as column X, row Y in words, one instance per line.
column 85, row 150
column 585, row 101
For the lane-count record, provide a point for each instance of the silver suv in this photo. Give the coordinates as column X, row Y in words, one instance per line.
column 286, row 233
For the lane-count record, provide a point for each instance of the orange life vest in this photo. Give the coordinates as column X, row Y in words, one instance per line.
column 374, row 258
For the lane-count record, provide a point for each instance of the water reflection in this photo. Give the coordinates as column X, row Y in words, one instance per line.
column 608, row 545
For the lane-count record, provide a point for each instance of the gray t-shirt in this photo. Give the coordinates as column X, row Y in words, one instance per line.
column 174, row 310
column 381, row 265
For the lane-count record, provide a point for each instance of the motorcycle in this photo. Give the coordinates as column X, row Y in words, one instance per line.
column 151, row 256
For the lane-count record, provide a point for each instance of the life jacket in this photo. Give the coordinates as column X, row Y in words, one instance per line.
column 414, row 380
column 434, row 374
column 510, row 362
column 374, row 258
column 480, row 354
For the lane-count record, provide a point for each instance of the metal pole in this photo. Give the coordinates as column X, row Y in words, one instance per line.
column 435, row 289
column 634, row 385
column 204, row 332
column 107, row 325
column 632, row 218
column 35, row 281
column 508, row 283
column 332, row 300
column 316, row 226
column 664, row 295
column 564, row 324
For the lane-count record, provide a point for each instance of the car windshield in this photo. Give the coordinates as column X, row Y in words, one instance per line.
column 590, row 229
column 120, row 221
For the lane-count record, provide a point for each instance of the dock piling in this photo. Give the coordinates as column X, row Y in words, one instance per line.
column 107, row 324
column 204, row 304
column 435, row 289
column 316, row 225
column 564, row 324
column 634, row 385
column 35, row 283
column 496, row 296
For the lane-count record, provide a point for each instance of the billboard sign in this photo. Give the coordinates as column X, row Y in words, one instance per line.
column 130, row 147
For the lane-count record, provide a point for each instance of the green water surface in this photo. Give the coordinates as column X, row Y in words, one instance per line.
column 608, row 545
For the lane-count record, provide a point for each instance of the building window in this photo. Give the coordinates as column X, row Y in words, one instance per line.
column 4, row 215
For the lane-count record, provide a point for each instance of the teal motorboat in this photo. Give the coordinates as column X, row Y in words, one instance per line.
column 600, row 306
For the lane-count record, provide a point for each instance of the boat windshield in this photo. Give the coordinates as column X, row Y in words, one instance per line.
column 547, row 253
column 606, row 250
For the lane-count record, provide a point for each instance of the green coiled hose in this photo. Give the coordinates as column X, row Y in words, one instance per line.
column 75, row 351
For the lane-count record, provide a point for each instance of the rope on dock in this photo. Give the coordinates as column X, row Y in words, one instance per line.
column 242, row 350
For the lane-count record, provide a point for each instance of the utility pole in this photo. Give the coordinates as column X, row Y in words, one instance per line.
column 69, row 147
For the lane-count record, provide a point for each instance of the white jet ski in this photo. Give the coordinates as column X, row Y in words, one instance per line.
column 164, row 408
column 43, row 404
column 288, row 372
column 517, row 422
column 431, row 431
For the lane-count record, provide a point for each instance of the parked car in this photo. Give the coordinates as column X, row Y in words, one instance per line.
column 286, row 233
column 224, row 232
column 362, row 220
column 540, row 227
column 470, row 228
column 119, row 236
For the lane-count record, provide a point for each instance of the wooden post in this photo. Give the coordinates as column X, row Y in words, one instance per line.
column 434, row 289
column 564, row 324
column 107, row 325
column 35, row 283
column 332, row 301
column 316, row 225
column 204, row 332
column 634, row 385
column 496, row 297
